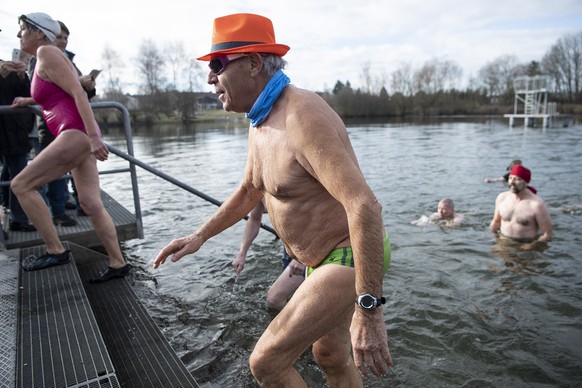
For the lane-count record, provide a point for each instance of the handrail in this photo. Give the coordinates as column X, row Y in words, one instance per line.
column 174, row 181
column 133, row 162
column 4, row 109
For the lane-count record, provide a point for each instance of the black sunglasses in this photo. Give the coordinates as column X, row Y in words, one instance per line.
column 218, row 64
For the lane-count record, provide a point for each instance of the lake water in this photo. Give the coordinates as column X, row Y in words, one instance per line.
column 459, row 312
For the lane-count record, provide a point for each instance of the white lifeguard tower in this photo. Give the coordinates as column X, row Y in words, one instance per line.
column 531, row 101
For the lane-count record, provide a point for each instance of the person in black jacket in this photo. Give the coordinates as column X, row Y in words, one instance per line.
column 14, row 130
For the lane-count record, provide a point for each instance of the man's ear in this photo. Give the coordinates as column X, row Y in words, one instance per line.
column 256, row 61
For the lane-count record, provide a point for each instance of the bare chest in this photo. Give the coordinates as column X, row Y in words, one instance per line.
column 517, row 212
column 276, row 169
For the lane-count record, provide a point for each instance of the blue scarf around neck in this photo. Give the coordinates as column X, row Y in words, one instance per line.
column 262, row 107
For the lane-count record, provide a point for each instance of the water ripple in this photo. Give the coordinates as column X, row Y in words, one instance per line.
column 460, row 312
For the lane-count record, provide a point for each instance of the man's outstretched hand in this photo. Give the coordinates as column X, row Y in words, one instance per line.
column 178, row 248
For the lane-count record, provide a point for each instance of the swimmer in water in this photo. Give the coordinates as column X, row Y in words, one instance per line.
column 505, row 177
column 520, row 214
column 445, row 215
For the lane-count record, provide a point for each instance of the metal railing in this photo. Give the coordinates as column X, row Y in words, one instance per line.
column 6, row 109
column 133, row 162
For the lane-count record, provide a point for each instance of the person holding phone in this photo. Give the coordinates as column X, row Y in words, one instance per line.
column 14, row 131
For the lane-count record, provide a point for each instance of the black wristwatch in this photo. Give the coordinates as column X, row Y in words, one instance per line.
column 370, row 302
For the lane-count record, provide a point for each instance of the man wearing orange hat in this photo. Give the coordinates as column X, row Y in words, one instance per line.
column 519, row 213
column 301, row 161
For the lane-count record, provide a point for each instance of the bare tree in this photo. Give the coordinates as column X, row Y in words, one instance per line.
column 403, row 80
column 193, row 75
column 150, row 64
column 366, row 77
column 402, row 85
column 497, row 76
column 564, row 64
column 381, row 82
column 111, row 69
column 425, row 78
column 451, row 74
column 176, row 58
column 437, row 75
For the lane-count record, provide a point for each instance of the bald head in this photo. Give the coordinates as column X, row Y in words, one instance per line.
column 446, row 209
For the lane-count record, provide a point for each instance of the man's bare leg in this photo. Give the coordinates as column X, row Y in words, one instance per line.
column 332, row 353
column 325, row 298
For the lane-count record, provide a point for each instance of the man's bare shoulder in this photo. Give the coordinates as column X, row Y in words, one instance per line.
column 305, row 111
column 537, row 201
column 302, row 100
column 297, row 91
column 504, row 195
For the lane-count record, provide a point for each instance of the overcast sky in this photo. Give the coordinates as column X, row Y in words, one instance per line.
column 330, row 40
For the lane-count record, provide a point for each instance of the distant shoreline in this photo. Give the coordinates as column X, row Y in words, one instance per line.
column 221, row 116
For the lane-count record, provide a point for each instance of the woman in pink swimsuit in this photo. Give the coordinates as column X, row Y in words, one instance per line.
column 77, row 147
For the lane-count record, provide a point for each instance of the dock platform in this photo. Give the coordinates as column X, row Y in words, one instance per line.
column 83, row 233
column 531, row 102
column 58, row 330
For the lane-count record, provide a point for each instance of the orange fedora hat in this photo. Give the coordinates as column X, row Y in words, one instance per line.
column 243, row 33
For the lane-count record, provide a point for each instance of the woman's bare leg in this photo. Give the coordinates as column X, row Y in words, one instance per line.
column 70, row 151
column 53, row 162
column 87, row 181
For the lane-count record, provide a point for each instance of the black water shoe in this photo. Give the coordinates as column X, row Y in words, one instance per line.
column 33, row 263
column 64, row 220
column 17, row 226
column 110, row 273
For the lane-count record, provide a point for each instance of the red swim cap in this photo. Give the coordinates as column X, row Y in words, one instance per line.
column 519, row 171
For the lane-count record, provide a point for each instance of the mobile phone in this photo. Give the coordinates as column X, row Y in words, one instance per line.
column 16, row 55
column 94, row 73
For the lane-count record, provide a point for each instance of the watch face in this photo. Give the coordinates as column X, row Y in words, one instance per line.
column 367, row 301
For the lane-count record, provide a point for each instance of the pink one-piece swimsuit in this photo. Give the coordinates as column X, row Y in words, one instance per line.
column 58, row 108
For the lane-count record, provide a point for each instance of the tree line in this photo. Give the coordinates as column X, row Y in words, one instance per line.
column 168, row 80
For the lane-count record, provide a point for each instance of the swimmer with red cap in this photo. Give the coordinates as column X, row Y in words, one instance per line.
column 525, row 176
column 520, row 213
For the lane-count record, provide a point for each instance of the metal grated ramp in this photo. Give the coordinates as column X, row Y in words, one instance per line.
column 141, row 354
column 9, row 267
column 83, row 233
column 59, row 341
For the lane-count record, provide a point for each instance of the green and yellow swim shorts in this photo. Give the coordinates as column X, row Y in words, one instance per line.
column 343, row 256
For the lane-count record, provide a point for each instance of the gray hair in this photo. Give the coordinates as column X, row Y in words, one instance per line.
column 448, row 202
column 272, row 63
